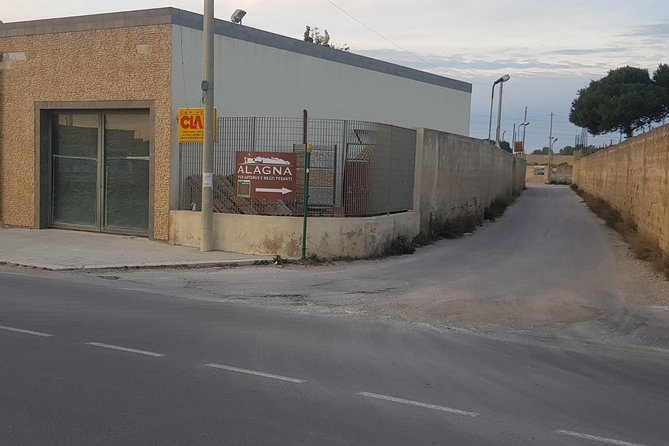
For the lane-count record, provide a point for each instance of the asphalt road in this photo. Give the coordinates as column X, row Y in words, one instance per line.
column 231, row 374
column 171, row 358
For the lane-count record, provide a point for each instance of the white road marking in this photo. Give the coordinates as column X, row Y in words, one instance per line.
column 253, row 372
column 124, row 349
column 596, row 438
column 30, row 332
column 416, row 403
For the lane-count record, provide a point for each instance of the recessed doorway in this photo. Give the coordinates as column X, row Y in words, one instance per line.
column 100, row 170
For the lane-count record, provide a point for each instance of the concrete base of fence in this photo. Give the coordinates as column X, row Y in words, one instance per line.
column 327, row 237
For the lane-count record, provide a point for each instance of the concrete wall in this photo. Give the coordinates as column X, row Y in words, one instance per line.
column 634, row 178
column 561, row 169
column 122, row 64
column 458, row 175
column 326, row 236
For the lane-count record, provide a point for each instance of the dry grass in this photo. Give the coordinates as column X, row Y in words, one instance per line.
column 642, row 246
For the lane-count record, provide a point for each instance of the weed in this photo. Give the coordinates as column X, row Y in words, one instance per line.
column 421, row 240
column 278, row 260
column 439, row 228
column 313, row 259
column 496, row 208
column 399, row 245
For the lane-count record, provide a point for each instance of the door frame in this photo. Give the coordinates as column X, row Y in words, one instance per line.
column 43, row 165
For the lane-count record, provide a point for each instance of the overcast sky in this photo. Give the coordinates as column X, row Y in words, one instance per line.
column 550, row 49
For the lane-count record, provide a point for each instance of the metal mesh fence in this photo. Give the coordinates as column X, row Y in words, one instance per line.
column 357, row 168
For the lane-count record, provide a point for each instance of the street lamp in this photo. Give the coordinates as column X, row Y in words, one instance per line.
column 237, row 16
column 550, row 149
column 492, row 99
column 524, row 126
column 499, row 110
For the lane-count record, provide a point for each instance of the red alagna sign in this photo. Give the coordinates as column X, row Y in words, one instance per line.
column 266, row 175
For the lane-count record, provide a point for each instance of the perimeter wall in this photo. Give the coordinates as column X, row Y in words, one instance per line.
column 634, row 178
column 454, row 175
column 458, row 175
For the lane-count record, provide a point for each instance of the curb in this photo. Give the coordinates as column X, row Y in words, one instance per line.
column 195, row 264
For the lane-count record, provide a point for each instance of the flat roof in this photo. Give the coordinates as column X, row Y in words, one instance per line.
column 167, row 16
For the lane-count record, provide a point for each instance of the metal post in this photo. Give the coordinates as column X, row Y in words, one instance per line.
column 492, row 100
column 499, row 112
column 206, row 240
column 307, row 168
column 305, row 126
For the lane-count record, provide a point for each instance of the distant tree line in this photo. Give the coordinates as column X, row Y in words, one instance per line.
column 625, row 100
column 566, row 150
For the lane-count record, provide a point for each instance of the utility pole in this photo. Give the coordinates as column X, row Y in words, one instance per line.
column 525, row 128
column 550, row 135
column 206, row 236
column 550, row 149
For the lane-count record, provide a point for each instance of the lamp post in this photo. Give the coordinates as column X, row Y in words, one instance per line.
column 504, row 78
column 523, row 125
column 499, row 109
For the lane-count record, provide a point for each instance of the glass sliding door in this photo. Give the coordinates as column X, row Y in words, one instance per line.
column 126, row 171
column 100, row 171
column 74, row 158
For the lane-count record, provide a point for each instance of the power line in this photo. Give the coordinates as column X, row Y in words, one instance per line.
column 397, row 45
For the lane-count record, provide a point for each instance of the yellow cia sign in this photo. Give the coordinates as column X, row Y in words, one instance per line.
column 191, row 124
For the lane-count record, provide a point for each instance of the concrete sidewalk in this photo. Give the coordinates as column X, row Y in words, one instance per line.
column 57, row 249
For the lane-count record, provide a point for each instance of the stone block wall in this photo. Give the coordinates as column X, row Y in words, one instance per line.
column 115, row 64
column 634, row 178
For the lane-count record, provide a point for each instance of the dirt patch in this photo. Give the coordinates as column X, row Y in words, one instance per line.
column 642, row 246
column 547, row 313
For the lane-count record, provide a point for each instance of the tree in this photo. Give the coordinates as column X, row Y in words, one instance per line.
column 543, row 151
column 504, row 145
column 661, row 79
column 567, row 150
column 622, row 101
column 314, row 35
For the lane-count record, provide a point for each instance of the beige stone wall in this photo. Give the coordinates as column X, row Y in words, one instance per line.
column 634, row 178
column 122, row 64
column 457, row 175
column 269, row 235
column 561, row 170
